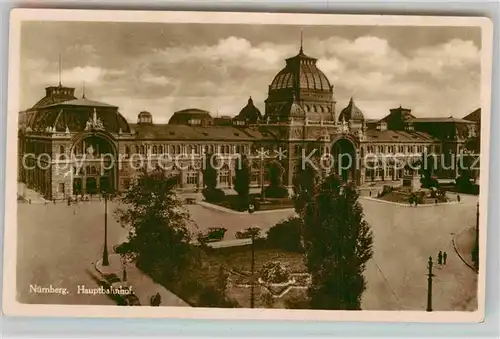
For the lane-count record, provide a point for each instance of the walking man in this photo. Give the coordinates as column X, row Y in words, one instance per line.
column 440, row 258
column 445, row 256
column 458, row 198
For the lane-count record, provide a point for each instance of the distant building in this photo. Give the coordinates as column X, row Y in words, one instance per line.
column 300, row 116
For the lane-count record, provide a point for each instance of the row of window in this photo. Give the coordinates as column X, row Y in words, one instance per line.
column 89, row 170
column 391, row 149
column 188, row 149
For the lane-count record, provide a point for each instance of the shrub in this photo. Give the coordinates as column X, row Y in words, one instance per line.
column 276, row 192
column 239, row 204
column 213, row 194
column 428, row 182
column 275, row 273
column 285, row 235
column 210, row 297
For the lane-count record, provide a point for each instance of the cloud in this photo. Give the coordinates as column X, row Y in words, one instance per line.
column 432, row 79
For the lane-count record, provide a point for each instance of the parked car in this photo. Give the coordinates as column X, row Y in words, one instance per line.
column 247, row 233
column 190, row 201
column 132, row 300
column 215, row 234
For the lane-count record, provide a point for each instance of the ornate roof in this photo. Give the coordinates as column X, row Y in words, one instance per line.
column 351, row 112
column 300, row 72
column 250, row 113
column 194, row 133
column 184, row 117
column 81, row 102
column 73, row 116
column 439, row 119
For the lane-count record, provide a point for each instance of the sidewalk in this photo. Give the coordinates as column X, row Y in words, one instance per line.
column 218, row 208
column 463, row 243
column 408, row 205
column 29, row 194
column 142, row 285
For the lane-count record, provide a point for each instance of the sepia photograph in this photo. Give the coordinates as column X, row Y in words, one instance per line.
column 289, row 163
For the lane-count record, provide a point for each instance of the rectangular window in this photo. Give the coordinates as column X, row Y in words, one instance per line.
column 60, row 188
column 192, row 178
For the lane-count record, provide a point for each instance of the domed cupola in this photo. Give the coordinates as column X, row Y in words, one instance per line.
column 351, row 112
column 250, row 114
column 302, row 81
column 144, row 118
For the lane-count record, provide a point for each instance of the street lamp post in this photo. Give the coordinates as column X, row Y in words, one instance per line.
column 476, row 245
column 252, row 287
column 105, row 259
column 429, row 285
column 261, row 172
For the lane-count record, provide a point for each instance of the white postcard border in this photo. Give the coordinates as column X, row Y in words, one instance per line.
column 12, row 307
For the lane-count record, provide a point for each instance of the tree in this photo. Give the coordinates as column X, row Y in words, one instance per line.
column 210, row 172
column 286, row 235
column 242, row 178
column 304, row 182
column 276, row 171
column 338, row 242
column 158, row 239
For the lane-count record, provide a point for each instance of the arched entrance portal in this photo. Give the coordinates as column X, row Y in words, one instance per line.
column 344, row 157
column 94, row 169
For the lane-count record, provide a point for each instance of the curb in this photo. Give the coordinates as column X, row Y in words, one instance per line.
column 407, row 205
column 458, row 252
column 230, row 211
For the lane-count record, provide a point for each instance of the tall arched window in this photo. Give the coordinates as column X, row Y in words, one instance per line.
column 178, row 149
column 142, row 150
column 155, row 149
column 160, row 149
column 61, row 149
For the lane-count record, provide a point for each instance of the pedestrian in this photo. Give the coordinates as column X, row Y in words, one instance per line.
column 440, row 258
column 445, row 256
column 458, row 198
column 436, row 201
column 155, row 300
column 370, row 193
column 124, row 273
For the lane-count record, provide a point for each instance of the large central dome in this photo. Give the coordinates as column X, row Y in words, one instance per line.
column 300, row 91
column 300, row 72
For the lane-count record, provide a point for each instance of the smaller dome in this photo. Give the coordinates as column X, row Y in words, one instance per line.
column 144, row 117
column 351, row 112
column 250, row 113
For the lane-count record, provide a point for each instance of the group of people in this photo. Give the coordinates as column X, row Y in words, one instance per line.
column 442, row 257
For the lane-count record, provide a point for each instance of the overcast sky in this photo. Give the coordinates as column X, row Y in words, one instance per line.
column 163, row 68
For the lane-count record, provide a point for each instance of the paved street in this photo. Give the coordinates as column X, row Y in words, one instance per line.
column 57, row 243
